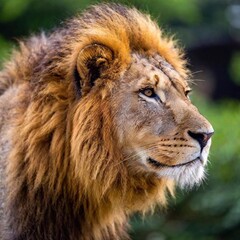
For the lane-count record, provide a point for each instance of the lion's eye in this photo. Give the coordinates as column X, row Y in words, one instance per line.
column 148, row 92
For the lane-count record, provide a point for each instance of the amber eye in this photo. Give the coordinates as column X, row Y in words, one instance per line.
column 148, row 92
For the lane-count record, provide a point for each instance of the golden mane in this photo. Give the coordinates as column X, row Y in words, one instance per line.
column 66, row 168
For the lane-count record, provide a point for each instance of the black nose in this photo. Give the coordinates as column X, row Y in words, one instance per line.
column 201, row 137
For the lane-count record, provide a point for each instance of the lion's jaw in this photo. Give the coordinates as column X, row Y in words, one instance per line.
column 158, row 131
column 185, row 175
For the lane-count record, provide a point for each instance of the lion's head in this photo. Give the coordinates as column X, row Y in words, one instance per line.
column 145, row 81
column 154, row 123
column 159, row 128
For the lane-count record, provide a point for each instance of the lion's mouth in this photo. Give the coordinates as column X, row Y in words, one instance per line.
column 157, row 164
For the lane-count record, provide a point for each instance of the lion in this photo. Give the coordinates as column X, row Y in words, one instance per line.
column 96, row 124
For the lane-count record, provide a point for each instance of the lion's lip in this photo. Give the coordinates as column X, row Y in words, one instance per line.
column 161, row 165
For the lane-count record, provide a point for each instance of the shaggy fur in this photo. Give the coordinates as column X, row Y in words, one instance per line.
column 67, row 177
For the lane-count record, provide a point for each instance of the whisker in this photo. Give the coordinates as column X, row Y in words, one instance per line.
column 196, row 72
column 198, row 80
column 195, row 81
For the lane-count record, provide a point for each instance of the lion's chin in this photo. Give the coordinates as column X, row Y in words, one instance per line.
column 186, row 175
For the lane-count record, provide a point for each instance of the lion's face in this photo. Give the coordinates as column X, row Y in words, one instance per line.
column 157, row 125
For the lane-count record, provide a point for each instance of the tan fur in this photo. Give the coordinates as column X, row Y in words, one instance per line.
column 72, row 163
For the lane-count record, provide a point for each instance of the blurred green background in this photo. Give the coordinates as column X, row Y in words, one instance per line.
column 209, row 30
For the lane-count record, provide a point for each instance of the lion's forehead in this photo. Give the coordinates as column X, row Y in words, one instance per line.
column 157, row 70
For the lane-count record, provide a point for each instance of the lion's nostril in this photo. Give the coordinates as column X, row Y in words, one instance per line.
column 201, row 137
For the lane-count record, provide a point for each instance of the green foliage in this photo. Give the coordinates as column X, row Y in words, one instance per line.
column 5, row 47
column 234, row 67
column 173, row 9
column 12, row 9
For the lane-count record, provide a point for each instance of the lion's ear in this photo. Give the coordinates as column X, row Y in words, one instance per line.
column 92, row 62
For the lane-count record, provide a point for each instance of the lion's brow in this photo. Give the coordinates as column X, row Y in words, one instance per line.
column 168, row 70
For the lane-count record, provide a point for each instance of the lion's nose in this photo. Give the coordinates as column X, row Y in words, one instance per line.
column 201, row 137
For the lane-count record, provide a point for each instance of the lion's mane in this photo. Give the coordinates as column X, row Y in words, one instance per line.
column 66, row 177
